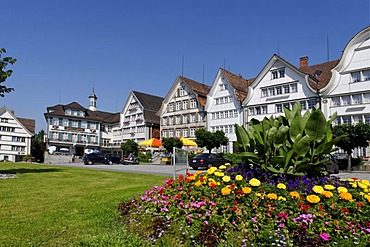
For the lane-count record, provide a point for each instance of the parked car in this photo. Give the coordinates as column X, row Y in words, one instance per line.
column 93, row 158
column 111, row 159
column 206, row 160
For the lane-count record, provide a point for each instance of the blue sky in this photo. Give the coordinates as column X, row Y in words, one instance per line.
column 64, row 48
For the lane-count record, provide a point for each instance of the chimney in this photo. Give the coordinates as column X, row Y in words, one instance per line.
column 12, row 112
column 303, row 62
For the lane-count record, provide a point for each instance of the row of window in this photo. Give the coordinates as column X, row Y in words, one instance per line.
column 263, row 109
column 182, row 105
column 7, row 129
column 179, row 133
column 137, row 129
column 223, row 100
column 363, row 75
column 73, row 123
column 14, row 139
column 224, row 114
column 225, row 128
column 18, row 148
column 4, row 120
column 354, row 99
column 279, row 90
column 71, row 112
column 134, row 117
column 73, row 137
column 183, row 119
column 352, row 119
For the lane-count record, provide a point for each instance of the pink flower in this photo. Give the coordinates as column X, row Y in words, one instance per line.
column 325, row 236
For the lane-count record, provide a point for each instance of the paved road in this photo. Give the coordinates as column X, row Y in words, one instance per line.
column 164, row 170
column 168, row 170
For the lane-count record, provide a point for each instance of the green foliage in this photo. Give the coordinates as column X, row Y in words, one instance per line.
column 289, row 145
column 171, row 142
column 129, row 147
column 144, row 157
column 235, row 158
column 4, row 74
column 209, row 139
column 38, row 146
column 355, row 136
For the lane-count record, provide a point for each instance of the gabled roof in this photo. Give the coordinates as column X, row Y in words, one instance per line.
column 197, row 87
column 29, row 124
column 320, row 72
column 151, row 105
column 238, row 83
column 100, row 116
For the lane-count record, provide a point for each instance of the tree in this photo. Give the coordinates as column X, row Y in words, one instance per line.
column 210, row 140
column 38, row 146
column 356, row 136
column 4, row 74
column 130, row 147
column 170, row 143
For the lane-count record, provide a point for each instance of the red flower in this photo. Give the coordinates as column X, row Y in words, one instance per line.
column 235, row 202
column 202, row 179
column 161, row 191
column 181, row 178
column 239, row 192
column 234, row 208
column 321, row 207
column 360, row 204
column 232, row 186
column 345, row 210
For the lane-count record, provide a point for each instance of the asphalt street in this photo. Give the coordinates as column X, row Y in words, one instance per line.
column 169, row 170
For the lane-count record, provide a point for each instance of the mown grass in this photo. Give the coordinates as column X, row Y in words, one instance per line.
column 59, row 206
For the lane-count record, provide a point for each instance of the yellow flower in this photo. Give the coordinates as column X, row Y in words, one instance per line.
column 254, row 182
column 226, row 179
column 272, row 196
column 260, row 195
column 362, row 185
column 227, row 164
column 222, row 167
column 281, row 186
column 364, row 181
column 211, row 170
column 198, row 183
column 246, row 190
column 225, row 191
column 281, row 198
column 239, row 178
column 212, row 184
column 211, row 180
column 199, row 172
column 354, row 184
column 317, row 189
column 327, row 194
column 345, row 196
column 341, row 189
column 313, row 198
column 191, row 177
column 294, row 194
column 219, row 174
column 367, row 197
column 329, row 187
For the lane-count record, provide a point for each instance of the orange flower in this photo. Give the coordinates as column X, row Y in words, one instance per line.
column 327, row 194
column 198, row 183
column 345, row 196
column 294, row 194
column 246, row 190
column 212, row 184
column 272, row 196
column 225, row 191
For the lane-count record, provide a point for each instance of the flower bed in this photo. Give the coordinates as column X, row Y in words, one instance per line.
column 238, row 206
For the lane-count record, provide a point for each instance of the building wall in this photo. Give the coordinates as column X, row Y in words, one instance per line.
column 15, row 140
column 223, row 110
column 268, row 94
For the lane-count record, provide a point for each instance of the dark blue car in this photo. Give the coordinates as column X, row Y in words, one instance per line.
column 206, row 160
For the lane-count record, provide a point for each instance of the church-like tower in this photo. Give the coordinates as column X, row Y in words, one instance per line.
column 92, row 101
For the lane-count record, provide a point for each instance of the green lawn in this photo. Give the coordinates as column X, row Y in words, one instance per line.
column 58, row 206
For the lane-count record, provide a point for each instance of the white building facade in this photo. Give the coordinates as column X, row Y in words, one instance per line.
column 15, row 136
column 183, row 109
column 138, row 119
column 280, row 84
column 224, row 105
column 348, row 92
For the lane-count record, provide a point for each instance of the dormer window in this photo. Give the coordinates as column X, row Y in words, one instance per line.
column 222, row 87
column 182, row 91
